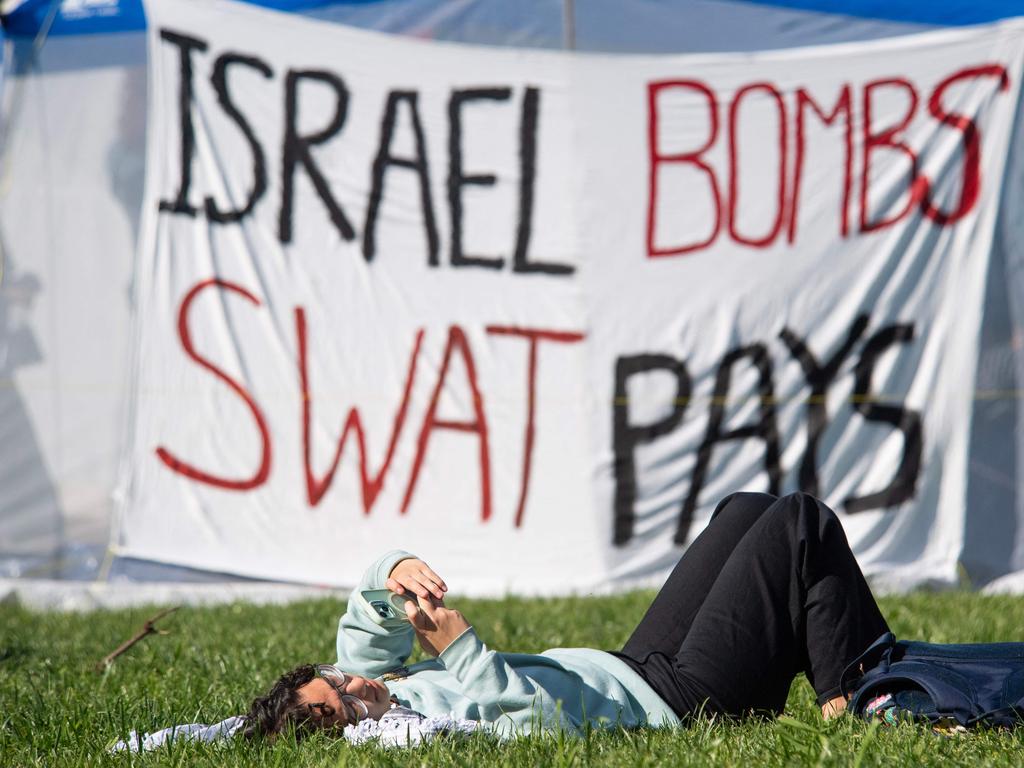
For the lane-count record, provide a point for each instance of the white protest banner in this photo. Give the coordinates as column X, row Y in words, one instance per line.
column 806, row 235
column 531, row 314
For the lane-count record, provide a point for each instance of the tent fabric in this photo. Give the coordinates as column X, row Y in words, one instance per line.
column 952, row 14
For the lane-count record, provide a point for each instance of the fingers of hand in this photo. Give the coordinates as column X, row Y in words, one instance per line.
column 406, row 584
column 434, row 582
column 422, row 623
column 416, row 576
column 411, row 612
column 426, row 605
column 435, row 612
column 425, row 583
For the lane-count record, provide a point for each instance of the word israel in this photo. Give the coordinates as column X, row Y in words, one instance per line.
column 296, row 154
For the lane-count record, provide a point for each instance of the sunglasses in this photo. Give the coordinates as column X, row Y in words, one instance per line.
column 338, row 680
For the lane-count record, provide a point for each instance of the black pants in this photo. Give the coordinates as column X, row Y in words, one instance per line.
column 768, row 590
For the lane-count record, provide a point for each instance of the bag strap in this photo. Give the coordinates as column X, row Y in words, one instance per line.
column 878, row 654
column 1008, row 716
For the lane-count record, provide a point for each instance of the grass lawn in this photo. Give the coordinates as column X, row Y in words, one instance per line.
column 55, row 710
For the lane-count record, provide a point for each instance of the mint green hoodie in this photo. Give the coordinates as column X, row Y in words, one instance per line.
column 562, row 688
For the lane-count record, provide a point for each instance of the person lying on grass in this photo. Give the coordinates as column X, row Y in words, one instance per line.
column 768, row 590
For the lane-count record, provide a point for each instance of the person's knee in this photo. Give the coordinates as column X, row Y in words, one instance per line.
column 748, row 503
column 800, row 510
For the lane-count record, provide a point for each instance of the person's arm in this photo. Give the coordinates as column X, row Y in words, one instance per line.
column 498, row 690
column 365, row 647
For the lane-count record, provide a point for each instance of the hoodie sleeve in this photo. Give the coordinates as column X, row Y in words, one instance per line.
column 364, row 647
column 504, row 696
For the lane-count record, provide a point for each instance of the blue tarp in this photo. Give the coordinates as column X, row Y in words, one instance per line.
column 645, row 25
column 952, row 13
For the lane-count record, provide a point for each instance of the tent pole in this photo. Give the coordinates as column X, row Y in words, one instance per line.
column 569, row 25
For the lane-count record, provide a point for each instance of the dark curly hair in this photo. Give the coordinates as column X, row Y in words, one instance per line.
column 281, row 710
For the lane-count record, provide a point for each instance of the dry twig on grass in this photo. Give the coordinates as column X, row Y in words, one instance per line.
column 148, row 628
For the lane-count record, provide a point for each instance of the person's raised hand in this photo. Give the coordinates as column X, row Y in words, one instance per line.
column 415, row 578
column 436, row 625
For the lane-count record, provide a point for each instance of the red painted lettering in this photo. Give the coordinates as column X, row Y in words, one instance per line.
column 970, row 187
column 734, row 185
column 371, row 485
column 889, row 137
column 188, row 470
column 842, row 107
column 456, row 340
column 657, row 158
column 533, row 336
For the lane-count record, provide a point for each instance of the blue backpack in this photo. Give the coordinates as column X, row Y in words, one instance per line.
column 968, row 684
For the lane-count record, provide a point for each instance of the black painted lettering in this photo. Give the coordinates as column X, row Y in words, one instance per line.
column 764, row 429
column 418, row 164
column 626, row 436
column 904, row 481
column 259, row 163
column 296, row 150
column 527, row 182
column 186, row 46
column 819, row 377
column 457, row 178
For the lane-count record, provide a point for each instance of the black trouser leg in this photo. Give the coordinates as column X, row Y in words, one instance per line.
column 789, row 597
column 668, row 620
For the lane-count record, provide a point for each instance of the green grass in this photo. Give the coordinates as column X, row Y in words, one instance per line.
column 55, row 710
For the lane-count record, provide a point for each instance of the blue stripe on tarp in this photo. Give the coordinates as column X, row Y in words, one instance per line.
column 85, row 17
column 75, row 17
column 90, row 17
column 947, row 13
column 296, row 6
